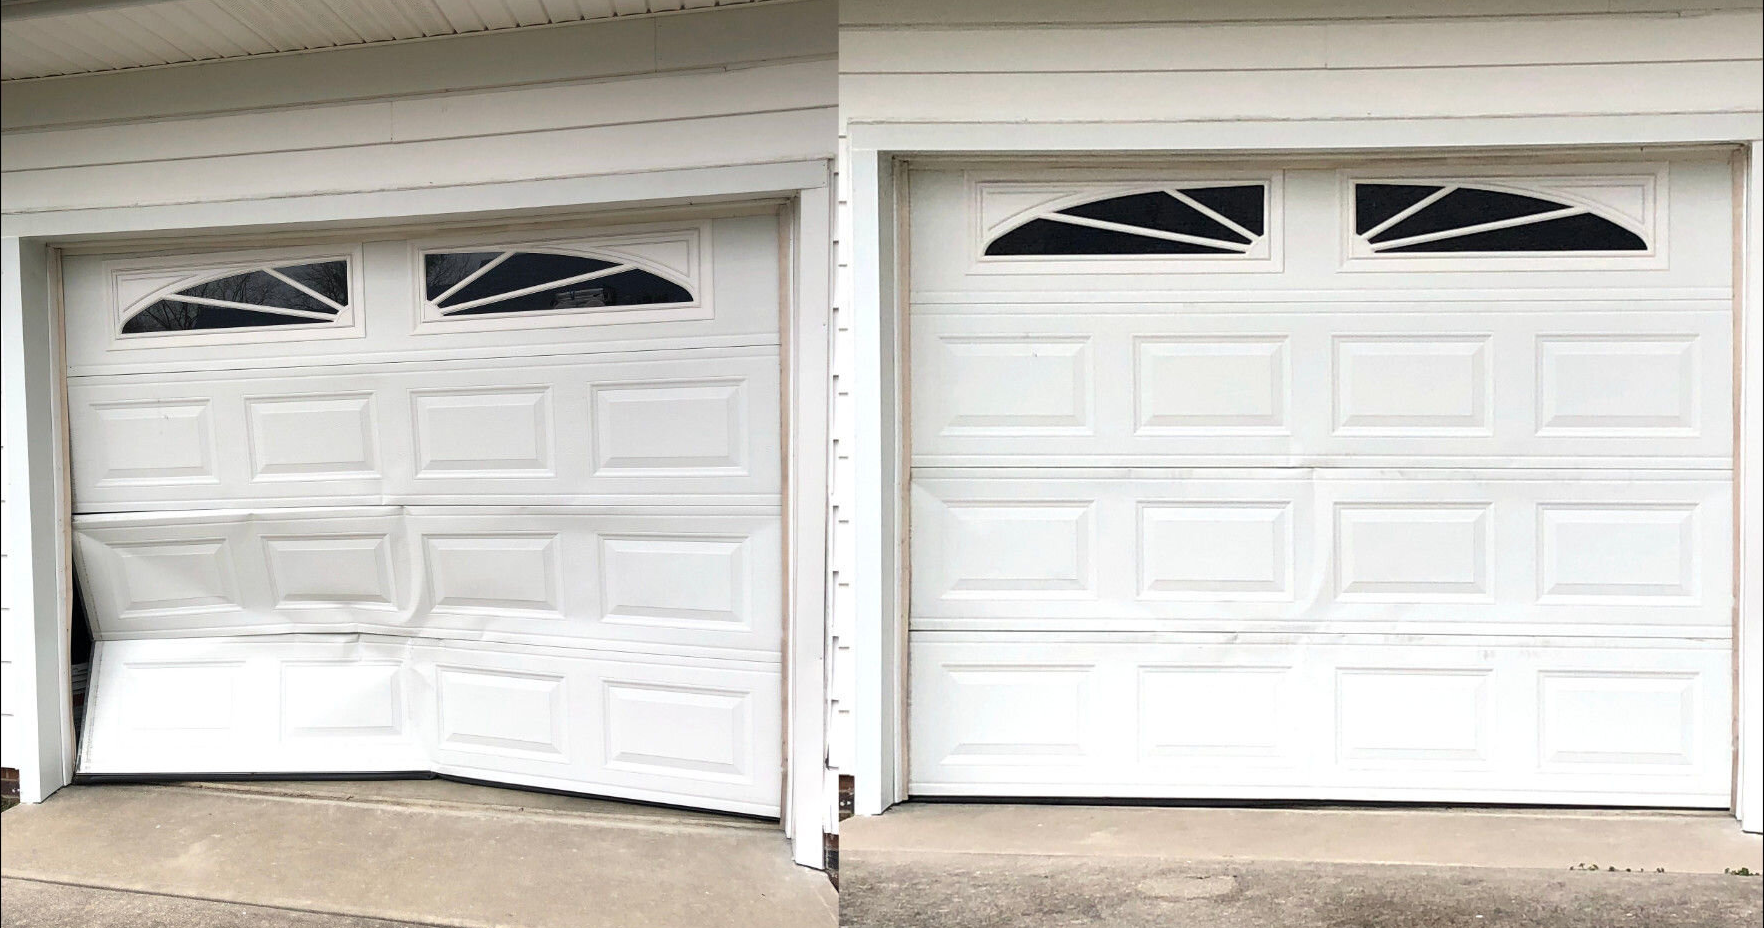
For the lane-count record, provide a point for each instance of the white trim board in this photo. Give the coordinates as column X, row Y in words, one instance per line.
column 1749, row 466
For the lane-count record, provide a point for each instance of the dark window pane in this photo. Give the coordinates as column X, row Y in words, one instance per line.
column 257, row 288
column 1374, row 203
column 329, row 279
column 1244, row 204
column 1584, row 232
column 626, row 288
column 1050, row 237
column 172, row 316
column 526, row 269
column 1156, row 210
column 1466, row 207
column 441, row 271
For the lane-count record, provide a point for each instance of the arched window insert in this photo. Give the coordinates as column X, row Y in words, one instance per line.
column 291, row 294
column 1214, row 219
column 469, row 283
column 1396, row 218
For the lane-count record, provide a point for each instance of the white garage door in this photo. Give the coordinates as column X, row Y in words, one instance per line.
column 499, row 505
column 1366, row 482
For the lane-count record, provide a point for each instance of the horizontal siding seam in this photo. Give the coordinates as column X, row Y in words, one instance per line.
column 308, row 194
column 1051, row 24
column 1340, row 69
column 1190, row 120
column 438, row 93
column 395, row 142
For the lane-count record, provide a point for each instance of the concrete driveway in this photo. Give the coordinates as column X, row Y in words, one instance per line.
column 1052, row 866
column 360, row 854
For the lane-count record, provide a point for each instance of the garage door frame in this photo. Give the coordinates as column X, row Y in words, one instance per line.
column 877, row 163
column 37, row 413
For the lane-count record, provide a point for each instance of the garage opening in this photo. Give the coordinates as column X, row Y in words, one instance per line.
column 499, row 504
column 1323, row 481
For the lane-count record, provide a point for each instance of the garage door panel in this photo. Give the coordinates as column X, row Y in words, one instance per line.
column 1211, row 386
column 665, row 732
column 212, row 705
column 1336, row 549
column 657, row 427
column 1298, row 718
column 694, row 579
column 1326, row 513
column 531, row 535
column 698, row 732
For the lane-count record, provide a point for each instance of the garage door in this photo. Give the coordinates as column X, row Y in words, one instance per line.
column 1320, row 481
column 504, row 505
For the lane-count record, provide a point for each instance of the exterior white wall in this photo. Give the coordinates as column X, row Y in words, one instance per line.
column 729, row 103
column 1045, row 76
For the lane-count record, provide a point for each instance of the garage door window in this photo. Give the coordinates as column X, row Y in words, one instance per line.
column 482, row 282
column 1410, row 218
column 1216, row 220
column 311, row 294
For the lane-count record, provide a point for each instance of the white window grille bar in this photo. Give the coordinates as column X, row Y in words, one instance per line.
column 1481, row 227
column 579, row 278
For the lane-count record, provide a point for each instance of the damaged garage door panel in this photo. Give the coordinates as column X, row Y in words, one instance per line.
column 699, row 580
column 652, row 728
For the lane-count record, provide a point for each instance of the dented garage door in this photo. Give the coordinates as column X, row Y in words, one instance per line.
column 502, row 505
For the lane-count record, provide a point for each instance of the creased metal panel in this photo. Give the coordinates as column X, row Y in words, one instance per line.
column 181, row 31
column 554, row 562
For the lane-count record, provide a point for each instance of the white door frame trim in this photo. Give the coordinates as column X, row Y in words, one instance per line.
column 878, row 231
column 35, row 380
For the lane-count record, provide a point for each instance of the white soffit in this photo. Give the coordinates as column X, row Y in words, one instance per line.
column 45, row 38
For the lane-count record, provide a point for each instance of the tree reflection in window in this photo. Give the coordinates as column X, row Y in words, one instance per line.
column 293, row 294
column 468, row 283
column 1398, row 218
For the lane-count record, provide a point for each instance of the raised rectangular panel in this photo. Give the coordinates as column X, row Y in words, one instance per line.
column 1199, row 712
column 185, row 696
column 1215, row 550
column 670, row 428
column 1019, row 549
column 501, row 712
column 1020, row 385
column 1617, row 718
column 321, row 698
column 494, row 573
column 675, row 581
column 176, row 577
column 1417, row 552
column 680, row 731
column 1395, row 716
column 152, row 442
column 1014, row 713
column 311, row 437
column 329, row 570
column 1202, row 385
column 1617, row 385
column 1410, row 385
column 483, row 433
column 1615, row 553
